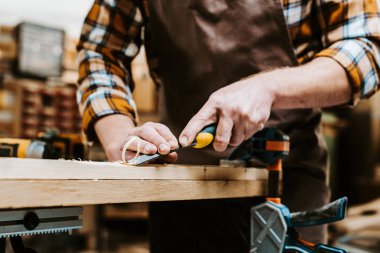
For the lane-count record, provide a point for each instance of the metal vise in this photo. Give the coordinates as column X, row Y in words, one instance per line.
column 272, row 224
column 272, row 227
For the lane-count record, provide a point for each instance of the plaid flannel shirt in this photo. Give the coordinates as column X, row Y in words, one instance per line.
column 347, row 31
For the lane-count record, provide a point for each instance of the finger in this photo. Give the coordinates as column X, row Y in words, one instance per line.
column 151, row 135
column 140, row 145
column 238, row 133
column 223, row 133
column 165, row 132
column 171, row 158
column 205, row 116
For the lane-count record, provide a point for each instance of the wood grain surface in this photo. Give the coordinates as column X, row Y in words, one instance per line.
column 44, row 183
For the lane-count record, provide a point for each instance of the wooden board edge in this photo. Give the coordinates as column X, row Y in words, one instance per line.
column 29, row 194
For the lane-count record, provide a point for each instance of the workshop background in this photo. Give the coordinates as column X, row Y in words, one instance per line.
column 38, row 76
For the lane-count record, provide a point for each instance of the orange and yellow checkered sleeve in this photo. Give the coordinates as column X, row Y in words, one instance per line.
column 351, row 36
column 110, row 39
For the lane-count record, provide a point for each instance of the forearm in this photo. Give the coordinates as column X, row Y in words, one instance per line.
column 244, row 107
column 101, row 91
column 112, row 132
column 321, row 83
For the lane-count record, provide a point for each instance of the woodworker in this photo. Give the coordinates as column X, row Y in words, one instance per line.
column 245, row 64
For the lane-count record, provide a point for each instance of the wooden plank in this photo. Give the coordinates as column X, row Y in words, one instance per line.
column 15, row 168
column 45, row 183
column 47, row 193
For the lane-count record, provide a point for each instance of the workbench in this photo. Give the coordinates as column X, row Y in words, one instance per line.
column 30, row 183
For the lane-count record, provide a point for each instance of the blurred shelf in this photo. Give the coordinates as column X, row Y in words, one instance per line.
column 126, row 212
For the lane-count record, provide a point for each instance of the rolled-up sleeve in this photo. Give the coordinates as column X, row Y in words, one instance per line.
column 351, row 36
column 110, row 39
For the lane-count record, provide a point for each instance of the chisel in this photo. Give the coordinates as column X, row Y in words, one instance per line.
column 204, row 138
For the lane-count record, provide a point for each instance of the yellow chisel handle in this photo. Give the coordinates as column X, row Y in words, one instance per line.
column 205, row 137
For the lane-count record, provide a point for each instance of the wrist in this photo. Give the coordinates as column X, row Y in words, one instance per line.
column 112, row 131
column 268, row 85
column 276, row 84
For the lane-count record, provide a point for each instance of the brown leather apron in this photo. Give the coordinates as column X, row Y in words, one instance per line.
column 203, row 45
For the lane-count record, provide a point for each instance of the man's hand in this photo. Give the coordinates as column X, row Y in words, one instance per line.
column 243, row 108
column 115, row 130
column 240, row 109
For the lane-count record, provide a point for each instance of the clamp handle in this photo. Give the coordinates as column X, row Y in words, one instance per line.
column 329, row 213
column 205, row 137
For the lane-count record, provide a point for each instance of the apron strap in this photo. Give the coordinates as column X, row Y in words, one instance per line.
column 143, row 6
column 152, row 58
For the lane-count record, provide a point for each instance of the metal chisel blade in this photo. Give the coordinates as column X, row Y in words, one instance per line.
column 147, row 158
column 143, row 159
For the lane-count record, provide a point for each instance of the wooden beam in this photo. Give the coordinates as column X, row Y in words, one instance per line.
column 28, row 183
column 16, row 168
column 25, row 194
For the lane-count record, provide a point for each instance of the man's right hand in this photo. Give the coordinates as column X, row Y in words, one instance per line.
column 114, row 131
